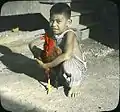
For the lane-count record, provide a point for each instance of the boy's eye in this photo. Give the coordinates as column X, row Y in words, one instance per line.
column 58, row 21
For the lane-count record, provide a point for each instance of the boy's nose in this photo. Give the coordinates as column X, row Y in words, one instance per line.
column 54, row 23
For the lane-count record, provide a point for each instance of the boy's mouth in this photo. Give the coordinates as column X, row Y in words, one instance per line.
column 55, row 29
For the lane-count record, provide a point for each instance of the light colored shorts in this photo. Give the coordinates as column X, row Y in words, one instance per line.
column 74, row 71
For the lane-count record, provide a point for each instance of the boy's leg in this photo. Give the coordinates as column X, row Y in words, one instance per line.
column 74, row 73
column 56, row 74
column 53, row 76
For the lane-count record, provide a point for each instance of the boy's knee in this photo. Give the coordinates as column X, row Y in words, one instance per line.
column 35, row 50
column 30, row 45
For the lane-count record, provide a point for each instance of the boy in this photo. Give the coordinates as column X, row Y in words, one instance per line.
column 68, row 60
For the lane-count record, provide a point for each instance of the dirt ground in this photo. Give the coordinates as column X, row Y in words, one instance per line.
column 21, row 90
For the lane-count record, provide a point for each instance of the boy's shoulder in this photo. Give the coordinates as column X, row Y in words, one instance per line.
column 71, row 32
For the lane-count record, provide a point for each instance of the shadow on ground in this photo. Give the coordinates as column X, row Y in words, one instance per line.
column 19, row 63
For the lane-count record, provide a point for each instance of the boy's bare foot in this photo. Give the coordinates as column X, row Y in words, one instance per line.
column 74, row 91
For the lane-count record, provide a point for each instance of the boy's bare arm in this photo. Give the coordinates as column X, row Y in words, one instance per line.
column 69, row 44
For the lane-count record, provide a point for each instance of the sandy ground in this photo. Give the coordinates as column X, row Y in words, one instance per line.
column 21, row 90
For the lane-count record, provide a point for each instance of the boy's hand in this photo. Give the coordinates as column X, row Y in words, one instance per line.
column 39, row 62
column 45, row 66
column 47, row 69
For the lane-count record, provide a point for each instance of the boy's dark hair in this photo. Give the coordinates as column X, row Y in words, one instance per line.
column 61, row 8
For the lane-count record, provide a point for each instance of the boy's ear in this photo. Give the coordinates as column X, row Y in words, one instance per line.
column 69, row 22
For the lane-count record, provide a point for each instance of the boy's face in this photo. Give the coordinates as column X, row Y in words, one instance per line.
column 59, row 23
